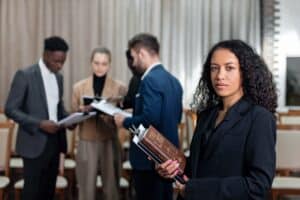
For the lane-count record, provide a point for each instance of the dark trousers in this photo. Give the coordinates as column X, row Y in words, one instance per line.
column 149, row 185
column 40, row 173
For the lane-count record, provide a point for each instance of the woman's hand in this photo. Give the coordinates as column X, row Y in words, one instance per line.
column 168, row 169
column 181, row 187
column 119, row 119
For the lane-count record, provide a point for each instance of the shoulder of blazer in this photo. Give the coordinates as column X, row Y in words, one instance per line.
column 260, row 110
column 155, row 77
column 30, row 70
column 29, row 73
column 205, row 115
column 160, row 74
column 157, row 69
column 206, row 111
column 113, row 82
column 83, row 83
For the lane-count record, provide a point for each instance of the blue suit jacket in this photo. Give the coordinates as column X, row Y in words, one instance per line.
column 158, row 103
column 238, row 162
column 27, row 105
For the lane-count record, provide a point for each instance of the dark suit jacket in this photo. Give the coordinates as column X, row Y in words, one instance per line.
column 26, row 104
column 238, row 161
column 159, row 103
column 129, row 99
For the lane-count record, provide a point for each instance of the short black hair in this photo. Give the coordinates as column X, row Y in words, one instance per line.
column 55, row 43
column 145, row 40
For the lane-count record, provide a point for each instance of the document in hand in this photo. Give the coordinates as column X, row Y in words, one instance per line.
column 75, row 118
column 109, row 108
column 158, row 148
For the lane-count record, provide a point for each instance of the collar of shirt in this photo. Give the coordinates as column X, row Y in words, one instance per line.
column 44, row 68
column 149, row 69
column 51, row 90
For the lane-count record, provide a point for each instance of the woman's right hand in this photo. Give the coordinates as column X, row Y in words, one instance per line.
column 168, row 169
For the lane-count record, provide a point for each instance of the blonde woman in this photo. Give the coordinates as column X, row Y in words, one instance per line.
column 98, row 145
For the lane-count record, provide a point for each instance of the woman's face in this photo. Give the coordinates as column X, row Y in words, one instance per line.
column 100, row 64
column 225, row 75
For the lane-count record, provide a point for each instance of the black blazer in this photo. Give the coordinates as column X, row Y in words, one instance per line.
column 238, row 161
column 26, row 104
column 129, row 99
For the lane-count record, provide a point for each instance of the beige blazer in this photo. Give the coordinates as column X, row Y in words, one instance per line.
column 102, row 128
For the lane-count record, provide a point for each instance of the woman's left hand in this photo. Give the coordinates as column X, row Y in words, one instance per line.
column 181, row 187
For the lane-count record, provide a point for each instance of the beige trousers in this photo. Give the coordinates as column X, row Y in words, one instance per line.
column 94, row 155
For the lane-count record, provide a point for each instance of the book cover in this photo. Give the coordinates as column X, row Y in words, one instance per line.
column 159, row 149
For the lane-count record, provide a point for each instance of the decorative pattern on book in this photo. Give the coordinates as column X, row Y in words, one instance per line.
column 158, row 148
column 162, row 147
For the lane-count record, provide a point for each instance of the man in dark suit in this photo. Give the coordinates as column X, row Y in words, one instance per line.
column 35, row 102
column 134, row 83
column 158, row 103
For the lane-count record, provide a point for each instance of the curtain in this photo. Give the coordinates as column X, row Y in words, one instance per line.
column 186, row 30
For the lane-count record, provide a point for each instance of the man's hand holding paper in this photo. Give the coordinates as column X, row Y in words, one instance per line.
column 108, row 108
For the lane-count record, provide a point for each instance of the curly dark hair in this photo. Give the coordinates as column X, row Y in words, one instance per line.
column 257, row 80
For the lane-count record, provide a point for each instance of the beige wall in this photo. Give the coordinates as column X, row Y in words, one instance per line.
column 185, row 28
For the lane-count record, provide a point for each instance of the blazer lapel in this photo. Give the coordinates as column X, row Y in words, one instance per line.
column 88, row 88
column 198, row 134
column 107, row 88
column 110, row 89
column 233, row 116
column 59, row 84
column 40, row 85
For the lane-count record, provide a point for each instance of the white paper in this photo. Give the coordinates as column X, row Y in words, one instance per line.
column 109, row 108
column 75, row 118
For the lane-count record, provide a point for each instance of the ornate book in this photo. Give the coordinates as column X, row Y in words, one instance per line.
column 158, row 148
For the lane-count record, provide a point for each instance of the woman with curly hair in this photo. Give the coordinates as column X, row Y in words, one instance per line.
column 232, row 154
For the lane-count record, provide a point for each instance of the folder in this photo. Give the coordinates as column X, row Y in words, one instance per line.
column 75, row 118
column 108, row 108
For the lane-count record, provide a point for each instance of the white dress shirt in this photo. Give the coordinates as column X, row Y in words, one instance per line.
column 51, row 90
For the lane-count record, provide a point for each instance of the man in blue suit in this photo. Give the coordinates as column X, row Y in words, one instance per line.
column 158, row 103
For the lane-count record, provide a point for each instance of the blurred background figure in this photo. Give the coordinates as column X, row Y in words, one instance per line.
column 134, row 83
column 157, row 103
column 35, row 102
column 98, row 146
